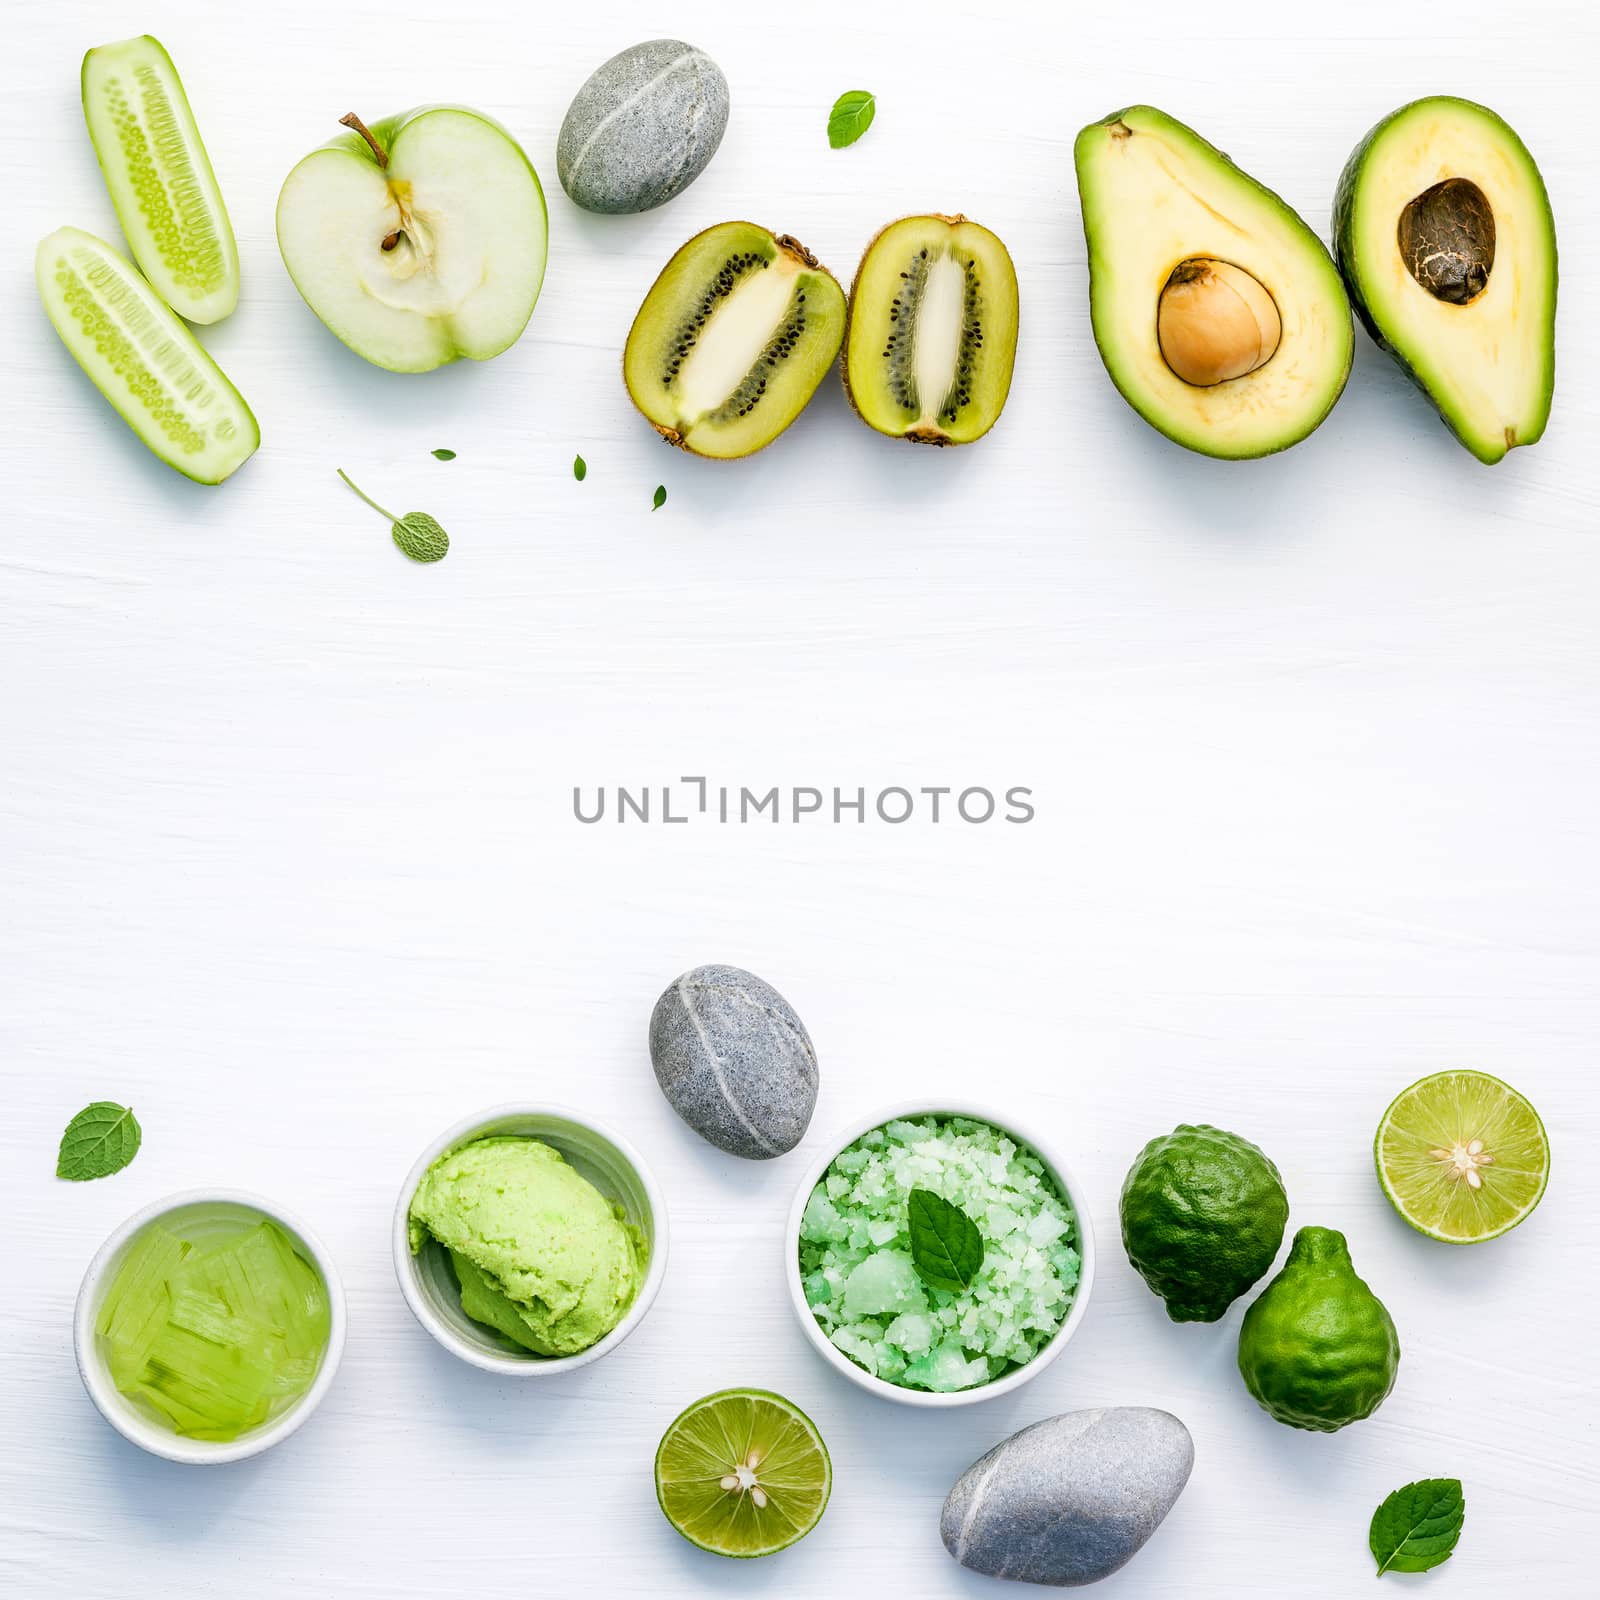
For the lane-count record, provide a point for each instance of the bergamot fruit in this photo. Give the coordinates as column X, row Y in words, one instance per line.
column 1203, row 1213
column 1317, row 1349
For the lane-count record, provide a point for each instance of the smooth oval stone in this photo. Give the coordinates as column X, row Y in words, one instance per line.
column 734, row 1061
column 642, row 129
column 1071, row 1499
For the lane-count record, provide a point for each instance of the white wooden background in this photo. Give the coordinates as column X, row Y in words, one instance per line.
column 289, row 860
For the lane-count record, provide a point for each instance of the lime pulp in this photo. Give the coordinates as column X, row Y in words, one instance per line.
column 1462, row 1156
column 743, row 1473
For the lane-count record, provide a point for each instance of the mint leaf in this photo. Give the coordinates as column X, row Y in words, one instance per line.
column 1417, row 1527
column 101, row 1139
column 580, row 468
column 946, row 1247
column 659, row 498
column 851, row 116
column 443, row 455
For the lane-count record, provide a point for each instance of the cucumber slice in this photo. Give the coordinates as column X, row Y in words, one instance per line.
column 160, row 177
column 142, row 358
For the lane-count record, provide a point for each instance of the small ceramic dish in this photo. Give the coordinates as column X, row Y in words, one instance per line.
column 606, row 1159
column 1012, row 1381
column 202, row 1207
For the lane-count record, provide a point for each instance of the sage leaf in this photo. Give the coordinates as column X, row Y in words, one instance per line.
column 418, row 535
column 580, row 468
column 103, row 1138
column 659, row 498
column 851, row 116
column 946, row 1247
column 1417, row 1526
column 443, row 455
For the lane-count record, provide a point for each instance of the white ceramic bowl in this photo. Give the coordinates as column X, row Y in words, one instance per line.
column 1012, row 1381
column 606, row 1159
column 120, row 1412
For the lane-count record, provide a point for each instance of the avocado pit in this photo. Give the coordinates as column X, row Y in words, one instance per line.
column 1215, row 322
column 1447, row 237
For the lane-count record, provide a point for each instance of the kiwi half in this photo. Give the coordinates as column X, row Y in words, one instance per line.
column 733, row 339
column 933, row 331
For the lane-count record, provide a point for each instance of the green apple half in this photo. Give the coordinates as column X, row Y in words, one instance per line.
column 418, row 240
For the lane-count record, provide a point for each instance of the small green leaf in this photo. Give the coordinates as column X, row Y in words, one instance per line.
column 851, row 116
column 444, row 455
column 580, row 468
column 417, row 534
column 420, row 537
column 1416, row 1527
column 659, row 498
column 946, row 1247
column 101, row 1139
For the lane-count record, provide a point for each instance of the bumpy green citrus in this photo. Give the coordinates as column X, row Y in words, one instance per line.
column 1318, row 1350
column 1203, row 1213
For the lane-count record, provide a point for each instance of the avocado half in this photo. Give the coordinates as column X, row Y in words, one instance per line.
column 1165, row 212
column 1443, row 231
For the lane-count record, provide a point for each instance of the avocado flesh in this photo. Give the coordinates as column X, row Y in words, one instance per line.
column 732, row 340
column 932, row 337
column 1488, row 366
column 1155, row 194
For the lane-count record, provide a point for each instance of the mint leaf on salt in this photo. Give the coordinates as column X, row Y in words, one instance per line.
column 103, row 1138
column 659, row 498
column 946, row 1247
column 1416, row 1527
column 443, row 455
column 580, row 468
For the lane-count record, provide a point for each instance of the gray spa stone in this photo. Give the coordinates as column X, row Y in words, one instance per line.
column 642, row 129
column 734, row 1061
column 1071, row 1499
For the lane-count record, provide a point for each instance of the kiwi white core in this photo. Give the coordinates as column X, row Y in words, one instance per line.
column 734, row 337
column 938, row 344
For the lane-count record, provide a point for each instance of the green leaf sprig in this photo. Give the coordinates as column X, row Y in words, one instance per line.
column 103, row 1138
column 580, row 468
column 946, row 1247
column 851, row 116
column 417, row 534
column 443, row 455
column 659, row 498
column 1416, row 1527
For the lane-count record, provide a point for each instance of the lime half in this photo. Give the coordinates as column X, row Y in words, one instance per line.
column 1462, row 1157
column 743, row 1473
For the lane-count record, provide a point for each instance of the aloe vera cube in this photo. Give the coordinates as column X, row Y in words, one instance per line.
column 160, row 178
column 142, row 358
column 138, row 1305
column 217, row 1336
column 224, row 1385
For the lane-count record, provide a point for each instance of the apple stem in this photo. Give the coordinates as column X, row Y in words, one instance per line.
column 351, row 120
column 368, row 498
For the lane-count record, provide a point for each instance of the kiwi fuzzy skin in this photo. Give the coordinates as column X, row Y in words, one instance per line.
column 786, row 243
column 920, row 435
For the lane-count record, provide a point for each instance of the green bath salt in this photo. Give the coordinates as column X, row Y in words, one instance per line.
column 860, row 1270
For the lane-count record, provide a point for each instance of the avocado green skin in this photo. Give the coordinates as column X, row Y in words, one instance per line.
column 1203, row 1213
column 1317, row 1349
column 1136, row 400
column 1344, row 254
